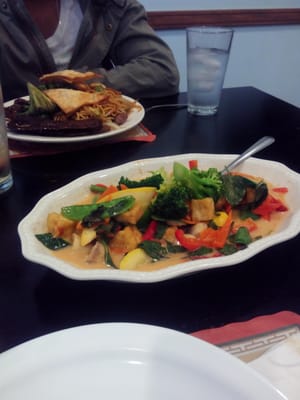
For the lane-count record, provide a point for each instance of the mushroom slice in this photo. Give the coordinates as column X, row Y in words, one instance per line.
column 96, row 252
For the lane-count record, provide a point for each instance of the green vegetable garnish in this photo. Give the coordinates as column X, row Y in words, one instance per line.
column 235, row 187
column 154, row 180
column 175, row 248
column 97, row 188
column 261, row 193
column 154, row 249
column 202, row 251
column 242, row 236
column 244, row 214
column 161, row 228
column 171, row 202
column 229, row 249
column 107, row 257
column 206, row 183
column 51, row 242
column 39, row 103
column 104, row 210
column 144, row 221
column 174, row 193
column 78, row 212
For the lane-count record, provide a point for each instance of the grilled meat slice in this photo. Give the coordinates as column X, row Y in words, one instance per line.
column 44, row 125
column 47, row 127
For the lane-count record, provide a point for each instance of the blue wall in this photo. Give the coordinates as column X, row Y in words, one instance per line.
column 265, row 57
column 217, row 4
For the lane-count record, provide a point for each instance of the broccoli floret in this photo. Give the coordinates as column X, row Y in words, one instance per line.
column 207, row 183
column 202, row 183
column 171, row 202
column 183, row 185
column 154, row 180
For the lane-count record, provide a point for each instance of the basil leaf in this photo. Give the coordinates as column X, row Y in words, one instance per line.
column 244, row 214
column 261, row 192
column 202, row 251
column 242, row 236
column 107, row 257
column 154, row 249
column 234, row 188
column 175, row 248
column 160, row 230
column 144, row 221
column 51, row 242
column 229, row 249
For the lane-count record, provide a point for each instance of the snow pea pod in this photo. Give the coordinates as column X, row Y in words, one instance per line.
column 106, row 209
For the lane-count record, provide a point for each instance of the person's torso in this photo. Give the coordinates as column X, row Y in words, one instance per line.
column 62, row 42
column 26, row 55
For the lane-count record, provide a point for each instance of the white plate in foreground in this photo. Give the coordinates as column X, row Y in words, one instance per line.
column 134, row 118
column 126, row 361
column 35, row 221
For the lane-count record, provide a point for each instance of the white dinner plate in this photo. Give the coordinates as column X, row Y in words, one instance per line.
column 127, row 361
column 35, row 222
column 135, row 117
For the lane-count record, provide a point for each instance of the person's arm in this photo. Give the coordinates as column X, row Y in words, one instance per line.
column 144, row 64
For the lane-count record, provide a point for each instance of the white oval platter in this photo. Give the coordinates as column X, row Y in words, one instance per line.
column 35, row 222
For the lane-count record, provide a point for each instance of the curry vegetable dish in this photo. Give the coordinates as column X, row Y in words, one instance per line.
column 69, row 103
column 164, row 219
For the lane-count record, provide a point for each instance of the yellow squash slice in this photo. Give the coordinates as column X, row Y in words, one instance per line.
column 134, row 258
column 87, row 236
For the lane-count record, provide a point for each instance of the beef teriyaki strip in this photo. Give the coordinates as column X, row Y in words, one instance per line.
column 33, row 125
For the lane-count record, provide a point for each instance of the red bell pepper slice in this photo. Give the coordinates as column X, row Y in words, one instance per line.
column 123, row 186
column 190, row 243
column 150, row 231
column 109, row 190
column 193, row 164
column 280, row 189
column 268, row 206
column 215, row 238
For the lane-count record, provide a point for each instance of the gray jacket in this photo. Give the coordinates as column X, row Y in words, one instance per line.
column 114, row 39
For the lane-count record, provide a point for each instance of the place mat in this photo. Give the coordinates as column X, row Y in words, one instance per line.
column 19, row 149
column 281, row 366
column 270, row 344
column 250, row 339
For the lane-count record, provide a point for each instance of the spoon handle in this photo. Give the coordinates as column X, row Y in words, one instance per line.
column 256, row 147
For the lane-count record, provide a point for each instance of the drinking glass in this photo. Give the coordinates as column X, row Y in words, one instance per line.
column 208, row 51
column 6, row 179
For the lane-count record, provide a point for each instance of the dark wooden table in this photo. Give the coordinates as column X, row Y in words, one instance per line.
column 34, row 300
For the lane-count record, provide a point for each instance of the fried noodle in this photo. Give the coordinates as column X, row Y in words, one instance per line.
column 107, row 109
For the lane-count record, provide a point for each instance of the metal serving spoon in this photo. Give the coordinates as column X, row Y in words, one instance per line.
column 256, row 147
